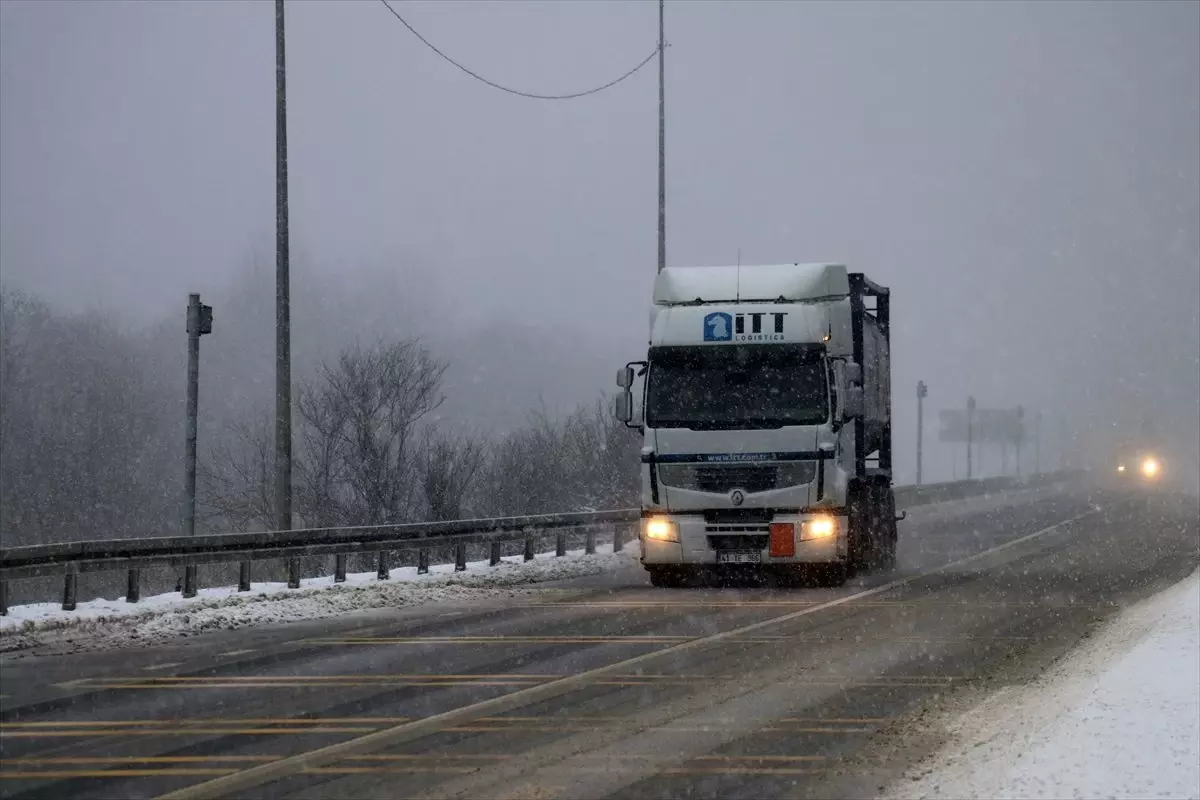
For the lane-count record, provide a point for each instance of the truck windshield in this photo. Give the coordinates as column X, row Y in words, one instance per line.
column 736, row 387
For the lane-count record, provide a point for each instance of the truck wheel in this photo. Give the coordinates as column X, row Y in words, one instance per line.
column 891, row 534
column 858, row 538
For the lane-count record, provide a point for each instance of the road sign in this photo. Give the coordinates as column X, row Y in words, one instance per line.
column 953, row 423
column 988, row 426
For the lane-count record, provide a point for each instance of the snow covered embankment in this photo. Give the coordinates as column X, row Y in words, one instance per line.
column 167, row 615
column 1119, row 718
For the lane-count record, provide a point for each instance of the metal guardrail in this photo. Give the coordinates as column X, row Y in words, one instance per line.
column 72, row 558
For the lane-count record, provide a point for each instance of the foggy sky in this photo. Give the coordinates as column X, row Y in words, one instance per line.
column 1025, row 176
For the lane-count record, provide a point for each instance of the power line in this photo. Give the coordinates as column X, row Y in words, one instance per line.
column 517, row 92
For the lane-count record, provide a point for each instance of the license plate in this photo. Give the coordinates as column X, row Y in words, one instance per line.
column 740, row 557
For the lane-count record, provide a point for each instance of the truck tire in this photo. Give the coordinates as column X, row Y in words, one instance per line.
column 860, row 520
column 891, row 534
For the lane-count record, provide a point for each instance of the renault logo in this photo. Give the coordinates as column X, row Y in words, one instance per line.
column 737, row 497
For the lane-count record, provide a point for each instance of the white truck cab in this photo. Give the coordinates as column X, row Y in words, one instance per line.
column 766, row 416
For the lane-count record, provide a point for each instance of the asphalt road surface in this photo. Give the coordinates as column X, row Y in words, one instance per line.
column 603, row 687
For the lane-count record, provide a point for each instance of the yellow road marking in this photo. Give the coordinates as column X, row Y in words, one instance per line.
column 394, row 757
column 81, row 760
column 580, row 718
column 182, row 732
column 481, row 728
column 536, row 640
column 190, row 772
column 407, row 769
column 90, row 723
column 258, row 775
column 733, row 769
column 857, row 682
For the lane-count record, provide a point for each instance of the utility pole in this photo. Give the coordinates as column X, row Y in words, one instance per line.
column 922, row 390
column 283, row 333
column 662, row 143
column 1020, row 435
column 1037, row 442
column 970, row 431
column 199, row 322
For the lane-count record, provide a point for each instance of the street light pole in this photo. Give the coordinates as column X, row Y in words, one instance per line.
column 922, row 390
column 1037, row 442
column 662, row 144
column 283, row 337
column 970, row 431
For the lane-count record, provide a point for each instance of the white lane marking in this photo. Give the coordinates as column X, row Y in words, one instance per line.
column 232, row 653
column 157, row 667
column 239, row 782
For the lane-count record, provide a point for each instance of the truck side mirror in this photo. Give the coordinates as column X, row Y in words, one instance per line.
column 853, row 373
column 623, row 407
column 625, row 377
column 854, row 403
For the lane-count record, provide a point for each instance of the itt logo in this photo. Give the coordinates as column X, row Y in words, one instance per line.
column 718, row 327
column 722, row 327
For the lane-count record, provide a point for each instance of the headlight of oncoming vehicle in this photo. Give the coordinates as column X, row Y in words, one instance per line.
column 1150, row 467
column 818, row 527
column 660, row 529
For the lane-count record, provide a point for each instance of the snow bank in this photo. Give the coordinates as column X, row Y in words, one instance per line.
column 223, row 608
column 1119, row 718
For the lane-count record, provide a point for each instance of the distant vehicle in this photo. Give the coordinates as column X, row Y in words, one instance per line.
column 1140, row 464
column 767, row 422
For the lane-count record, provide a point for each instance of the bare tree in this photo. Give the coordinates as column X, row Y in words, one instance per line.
column 379, row 395
column 237, row 479
column 80, row 456
column 586, row 460
column 449, row 466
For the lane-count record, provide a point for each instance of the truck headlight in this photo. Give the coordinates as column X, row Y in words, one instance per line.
column 659, row 529
column 818, row 527
column 1150, row 467
column 1120, row 468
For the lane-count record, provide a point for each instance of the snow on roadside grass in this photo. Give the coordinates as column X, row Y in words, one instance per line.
column 1118, row 718
column 223, row 608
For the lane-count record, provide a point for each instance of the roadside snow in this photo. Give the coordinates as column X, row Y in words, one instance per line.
column 167, row 615
column 1119, row 718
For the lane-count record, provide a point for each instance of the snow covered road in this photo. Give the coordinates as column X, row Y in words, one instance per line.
column 1119, row 718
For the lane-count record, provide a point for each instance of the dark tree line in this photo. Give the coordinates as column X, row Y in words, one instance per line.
column 91, row 441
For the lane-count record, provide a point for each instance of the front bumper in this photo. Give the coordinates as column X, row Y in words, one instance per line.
column 700, row 541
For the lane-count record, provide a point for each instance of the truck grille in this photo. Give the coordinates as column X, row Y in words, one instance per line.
column 724, row 478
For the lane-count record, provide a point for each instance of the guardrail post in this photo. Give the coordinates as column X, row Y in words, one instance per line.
column 529, row 548
column 618, row 537
column 189, row 580
column 422, row 562
column 460, row 557
column 494, row 559
column 589, row 546
column 293, row 573
column 339, row 568
column 384, row 572
column 244, row 576
column 69, row 591
column 133, row 590
column 560, row 544
column 3, row 598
